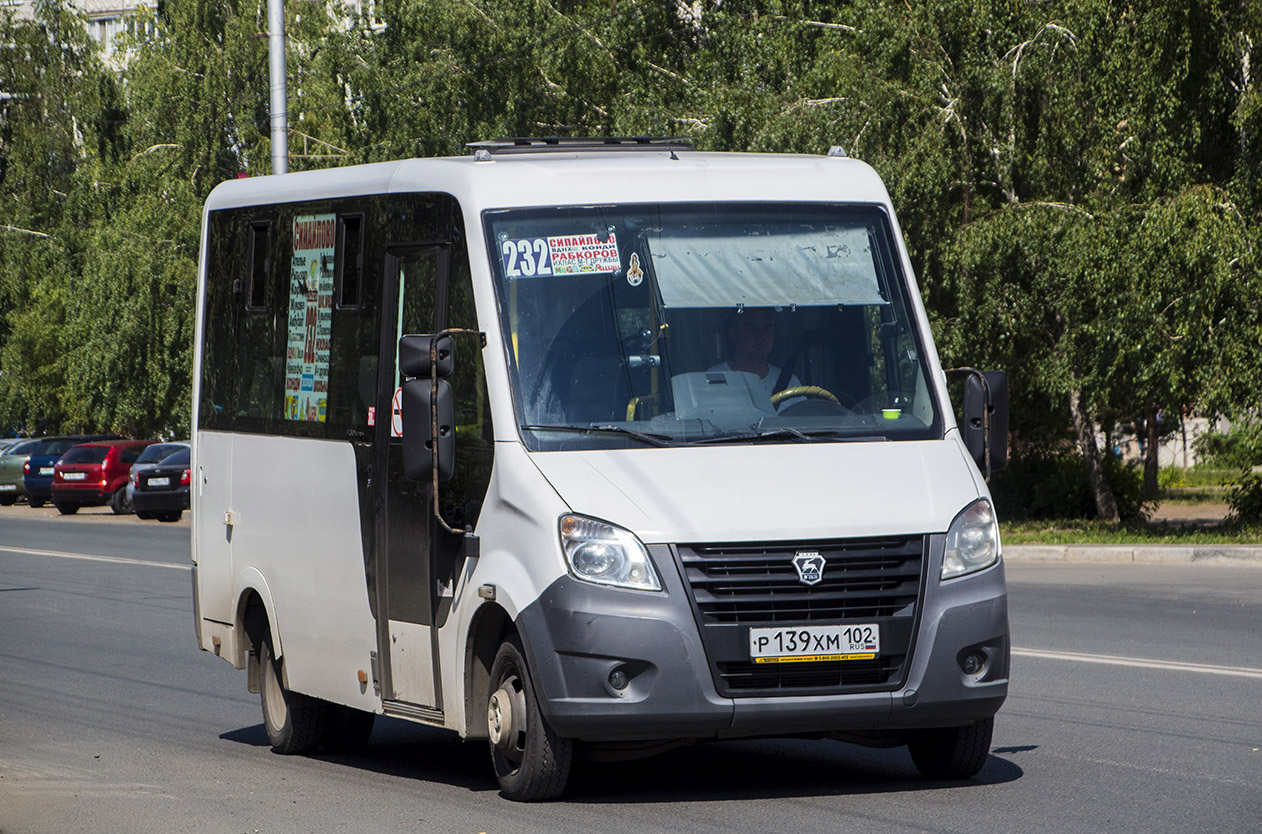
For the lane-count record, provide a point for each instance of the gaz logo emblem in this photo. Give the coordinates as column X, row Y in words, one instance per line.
column 810, row 565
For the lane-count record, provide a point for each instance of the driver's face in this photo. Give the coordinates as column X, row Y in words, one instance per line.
column 753, row 333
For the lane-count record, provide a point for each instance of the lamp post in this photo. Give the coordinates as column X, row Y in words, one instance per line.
column 279, row 101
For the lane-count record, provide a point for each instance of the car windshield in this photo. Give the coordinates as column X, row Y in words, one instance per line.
column 54, row 446
column 23, row 448
column 700, row 323
column 158, row 451
column 85, row 454
column 180, row 458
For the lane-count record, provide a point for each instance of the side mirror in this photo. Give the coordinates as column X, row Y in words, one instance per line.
column 421, row 359
column 414, row 356
column 986, row 419
column 423, row 449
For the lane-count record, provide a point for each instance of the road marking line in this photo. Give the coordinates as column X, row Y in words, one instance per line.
column 91, row 558
column 1143, row 663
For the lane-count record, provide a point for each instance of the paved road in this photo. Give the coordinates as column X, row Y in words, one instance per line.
column 1134, row 708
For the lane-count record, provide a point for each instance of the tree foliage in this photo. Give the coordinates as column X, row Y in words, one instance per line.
column 1077, row 180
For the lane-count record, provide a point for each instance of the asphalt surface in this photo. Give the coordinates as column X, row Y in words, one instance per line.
column 1133, row 709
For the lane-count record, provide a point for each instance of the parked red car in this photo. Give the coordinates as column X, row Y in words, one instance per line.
column 92, row 474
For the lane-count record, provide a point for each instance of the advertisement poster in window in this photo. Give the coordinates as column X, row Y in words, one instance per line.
column 310, row 318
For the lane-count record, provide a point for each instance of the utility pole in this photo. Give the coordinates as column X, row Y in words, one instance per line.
column 279, row 96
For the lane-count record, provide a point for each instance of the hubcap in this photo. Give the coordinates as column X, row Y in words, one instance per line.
column 505, row 718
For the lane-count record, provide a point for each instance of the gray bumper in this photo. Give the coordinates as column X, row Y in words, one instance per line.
column 576, row 634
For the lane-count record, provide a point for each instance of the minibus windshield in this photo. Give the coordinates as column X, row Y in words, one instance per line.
column 681, row 324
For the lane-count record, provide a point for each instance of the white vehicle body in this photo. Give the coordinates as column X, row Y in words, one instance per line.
column 308, row 538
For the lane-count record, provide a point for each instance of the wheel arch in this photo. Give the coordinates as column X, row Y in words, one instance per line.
column 490, row 625
column 255, row 617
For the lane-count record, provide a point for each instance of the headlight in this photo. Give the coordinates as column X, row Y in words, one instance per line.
column 607, row 555
column 972, row 541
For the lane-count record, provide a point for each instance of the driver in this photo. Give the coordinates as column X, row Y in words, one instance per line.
column 752, row 333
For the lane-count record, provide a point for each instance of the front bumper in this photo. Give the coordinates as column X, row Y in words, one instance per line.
column 576, row 634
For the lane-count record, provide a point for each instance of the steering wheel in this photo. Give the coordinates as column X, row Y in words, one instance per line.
column 804, row 391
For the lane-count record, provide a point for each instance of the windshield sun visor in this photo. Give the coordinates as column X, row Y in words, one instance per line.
column 816, row 269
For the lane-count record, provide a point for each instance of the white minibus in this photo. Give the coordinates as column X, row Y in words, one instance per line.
column 590, row 448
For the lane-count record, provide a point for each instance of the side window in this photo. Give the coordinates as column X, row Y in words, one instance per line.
column 130, row 454
column 462, row 497
column 352, row 404
column 260, row 265
column 260, row 367
column 350, row 261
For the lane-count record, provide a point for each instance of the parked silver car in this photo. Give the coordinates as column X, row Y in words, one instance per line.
column 11, row 461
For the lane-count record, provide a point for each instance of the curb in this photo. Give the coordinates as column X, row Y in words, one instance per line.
column 1219, row 554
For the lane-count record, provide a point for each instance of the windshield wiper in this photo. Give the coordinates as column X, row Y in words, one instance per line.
column 815, row 436
column 644, row 437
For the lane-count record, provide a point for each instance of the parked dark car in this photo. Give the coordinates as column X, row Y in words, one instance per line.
column 12, row 460
column 162, row 492
column 37, row 479
column 92, row 474
column 149, row 458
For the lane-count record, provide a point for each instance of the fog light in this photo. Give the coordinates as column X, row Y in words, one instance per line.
column 974, row 663
column 618, row 679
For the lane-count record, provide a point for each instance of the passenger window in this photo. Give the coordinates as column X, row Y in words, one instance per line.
column 350, row 261
column 260, row 265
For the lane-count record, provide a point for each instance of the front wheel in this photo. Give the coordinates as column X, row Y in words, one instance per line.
column 531, row 761
column 294, row 722
column 952, row 752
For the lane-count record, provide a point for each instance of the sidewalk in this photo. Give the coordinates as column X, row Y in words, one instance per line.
column 1243, row 554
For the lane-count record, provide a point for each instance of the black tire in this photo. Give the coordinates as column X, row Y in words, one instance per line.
column 346, row 729
column 66, row 509
column 119, row 503
column 170, row 517
column 35, row 502
column 531, row 762
column 952, row 752
column 144, row 515
column 294, row 722
column 7, row 500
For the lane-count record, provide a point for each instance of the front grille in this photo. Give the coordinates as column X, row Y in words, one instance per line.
column 738, row 586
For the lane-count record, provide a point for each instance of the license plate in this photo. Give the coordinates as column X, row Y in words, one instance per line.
column 801, row 644
column 153, row 482
column 8, row 487
column 74, row 476
column 45, row 470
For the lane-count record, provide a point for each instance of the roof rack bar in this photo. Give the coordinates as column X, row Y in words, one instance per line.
column 546, row 144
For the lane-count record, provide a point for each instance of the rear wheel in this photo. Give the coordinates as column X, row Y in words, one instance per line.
column 172, row 516
column 35, row 502
column 66, row 509
column 294, row 722
column 531, row 761
column 144, row 515
column 7, row 500
column 119, row 503
column 952, row 752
